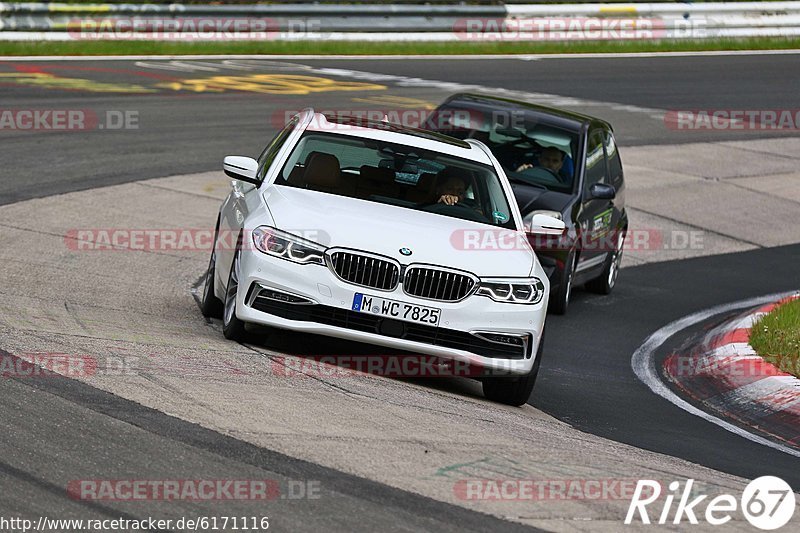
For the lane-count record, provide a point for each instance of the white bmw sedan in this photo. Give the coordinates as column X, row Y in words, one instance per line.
column 386, row 235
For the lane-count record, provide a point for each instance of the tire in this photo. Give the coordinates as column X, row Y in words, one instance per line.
column 210, row 305
column 560, row 300
column 514, row 391
column 232, row 327
column 606, row 282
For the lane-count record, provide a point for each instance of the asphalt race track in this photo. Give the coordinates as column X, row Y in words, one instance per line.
column 186, row 125
column 595, row 390
column 681, row 82
column 185, row 118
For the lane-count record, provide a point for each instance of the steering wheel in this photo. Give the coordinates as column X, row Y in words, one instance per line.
column 472, row 203
column 532, row 171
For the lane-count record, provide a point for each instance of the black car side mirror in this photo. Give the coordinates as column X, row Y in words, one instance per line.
column 602, row 191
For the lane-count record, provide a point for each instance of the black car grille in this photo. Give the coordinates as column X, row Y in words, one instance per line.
column 436, row 284
column 365, row 270
column 345, row 318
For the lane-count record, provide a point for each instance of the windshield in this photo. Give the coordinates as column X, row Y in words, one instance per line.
column 529, row 149
column 398, row 175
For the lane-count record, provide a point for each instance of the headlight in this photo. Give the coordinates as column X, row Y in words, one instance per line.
column 512, row 290
column 281, row 244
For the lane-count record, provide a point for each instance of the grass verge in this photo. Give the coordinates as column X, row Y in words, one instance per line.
column 776, row 337
column 32, row 48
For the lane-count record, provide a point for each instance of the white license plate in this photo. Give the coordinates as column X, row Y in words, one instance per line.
column 398, row 310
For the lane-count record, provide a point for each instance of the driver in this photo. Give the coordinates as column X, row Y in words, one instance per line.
column 451, row 190
column 550, row 158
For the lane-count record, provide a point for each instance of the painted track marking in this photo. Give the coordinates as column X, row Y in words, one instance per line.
column 643, row 364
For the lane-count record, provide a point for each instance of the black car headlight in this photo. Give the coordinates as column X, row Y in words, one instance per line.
column 512, row 290
column 281, row 244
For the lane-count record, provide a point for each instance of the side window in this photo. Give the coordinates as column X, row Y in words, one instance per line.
column 614, row 162
column 268, row 155
column 595, row 161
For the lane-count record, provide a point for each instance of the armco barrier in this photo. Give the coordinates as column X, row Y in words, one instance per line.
column 405, row 22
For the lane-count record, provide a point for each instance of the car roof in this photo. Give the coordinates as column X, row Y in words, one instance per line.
column 566, row 118
column 398, row 134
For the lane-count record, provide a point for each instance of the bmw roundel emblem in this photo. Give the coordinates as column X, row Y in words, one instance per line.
column 405, row 251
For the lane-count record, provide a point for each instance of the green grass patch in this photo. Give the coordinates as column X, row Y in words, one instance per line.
column 12, row 48
column 776, row 337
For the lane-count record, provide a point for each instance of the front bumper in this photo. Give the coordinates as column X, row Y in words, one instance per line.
column 322, row 304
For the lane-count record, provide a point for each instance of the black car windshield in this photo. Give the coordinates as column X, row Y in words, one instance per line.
column 398, row 175
column 530, row 148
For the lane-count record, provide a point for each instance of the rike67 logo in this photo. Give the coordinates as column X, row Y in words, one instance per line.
column 767, row 503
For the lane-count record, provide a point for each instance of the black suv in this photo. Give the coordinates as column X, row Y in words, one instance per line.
column 561, row 164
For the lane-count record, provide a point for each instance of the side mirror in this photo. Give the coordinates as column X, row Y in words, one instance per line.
column 241, row 168
column 546, row 225
column 602, row 191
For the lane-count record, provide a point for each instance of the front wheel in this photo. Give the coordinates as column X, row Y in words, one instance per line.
column 560, row 300
column 210, row 305
column 608, row 279
column 513, row 390
column 232, row 327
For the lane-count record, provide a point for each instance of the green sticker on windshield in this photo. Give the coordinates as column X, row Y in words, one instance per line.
column 500, row 217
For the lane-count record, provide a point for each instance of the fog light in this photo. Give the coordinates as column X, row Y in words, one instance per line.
column 268, row 293
column 505, row 339
column 510, row 339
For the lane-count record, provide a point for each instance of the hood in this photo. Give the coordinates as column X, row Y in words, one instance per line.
column 339, row 221
column 530, row 198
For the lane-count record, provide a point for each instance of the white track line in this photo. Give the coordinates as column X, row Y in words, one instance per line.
column 747, row 322
column 523, row 57
column 643, row 364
